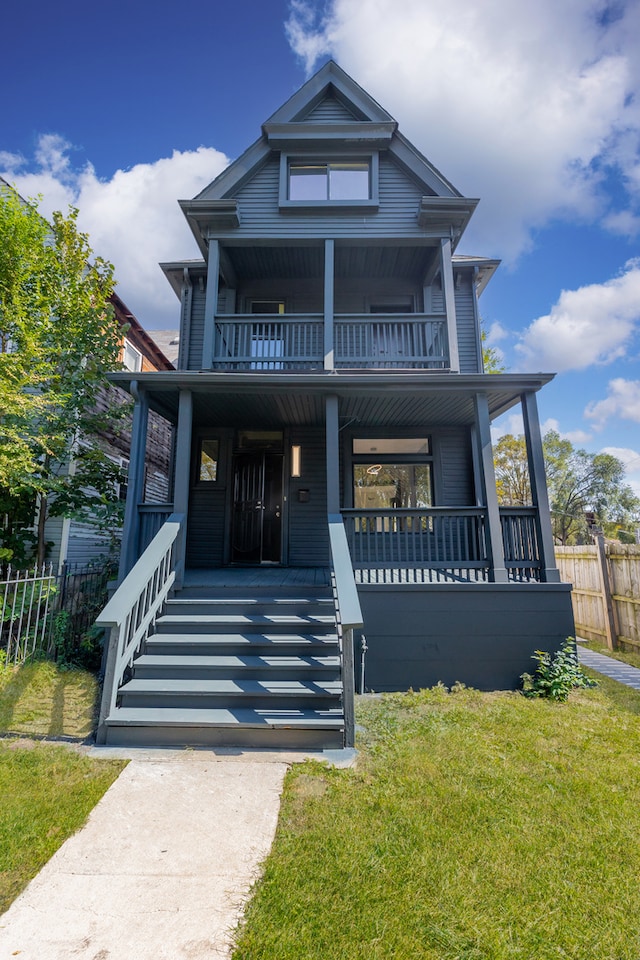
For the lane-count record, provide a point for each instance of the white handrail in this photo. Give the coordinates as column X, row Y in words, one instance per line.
column 133, row 609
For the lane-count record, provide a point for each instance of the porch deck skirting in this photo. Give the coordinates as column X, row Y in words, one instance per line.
column 479, row 634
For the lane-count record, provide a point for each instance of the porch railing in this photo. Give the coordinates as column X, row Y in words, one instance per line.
column 296, row 341
column 448, row 540
column 132, row 611
column 349, row 617
column 520, row 542
column 439, row 543
column 390, row 341
column 152, row 516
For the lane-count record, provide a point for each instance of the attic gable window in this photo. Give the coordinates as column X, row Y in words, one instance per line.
column 341, row 182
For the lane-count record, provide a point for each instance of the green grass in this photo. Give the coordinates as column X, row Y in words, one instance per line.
column 47, row 793
column 40, row 699
column 475, row 827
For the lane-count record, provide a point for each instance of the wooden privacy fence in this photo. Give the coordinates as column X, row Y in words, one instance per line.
column 606, row 591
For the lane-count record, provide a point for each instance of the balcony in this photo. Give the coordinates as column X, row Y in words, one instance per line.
column 356, row 341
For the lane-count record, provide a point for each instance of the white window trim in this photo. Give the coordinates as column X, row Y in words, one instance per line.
column 127, row 345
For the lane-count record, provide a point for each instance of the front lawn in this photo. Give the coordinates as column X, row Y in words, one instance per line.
column 47, row 793
column 475, row 827
column 41, row 699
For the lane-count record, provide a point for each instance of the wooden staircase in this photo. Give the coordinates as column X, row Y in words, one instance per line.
column 236, row 670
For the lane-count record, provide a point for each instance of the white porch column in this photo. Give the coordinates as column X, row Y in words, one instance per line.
column 211, row 303
column 329, row 272
column 135, row 481
column 538, row 482
column 448, row 292
column 182, row 478
column 483, row 455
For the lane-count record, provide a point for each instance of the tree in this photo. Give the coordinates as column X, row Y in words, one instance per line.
column 578, row 482
column 492, row 361
column 58, row 339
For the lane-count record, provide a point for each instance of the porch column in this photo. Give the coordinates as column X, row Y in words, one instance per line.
column 182, row 478
column 549, row 573
column 211, row 304
column 333, row 456
column 483, row 455
column 329, row 269
column 135, row 481
column 448, row 292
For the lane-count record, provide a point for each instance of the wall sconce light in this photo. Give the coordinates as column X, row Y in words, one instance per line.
column 295, row 460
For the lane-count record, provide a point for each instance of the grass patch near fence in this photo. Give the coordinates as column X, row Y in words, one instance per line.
column 474, row 827
column 40, row 699
column 47, row 793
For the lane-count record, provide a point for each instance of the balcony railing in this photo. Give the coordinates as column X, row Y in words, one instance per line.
column 361, row 341
column 390, row 341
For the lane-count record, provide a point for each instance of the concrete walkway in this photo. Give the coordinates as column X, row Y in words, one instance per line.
column 161, row 870
column 615, row 669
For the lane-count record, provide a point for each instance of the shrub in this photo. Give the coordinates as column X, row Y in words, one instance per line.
column 557, row 674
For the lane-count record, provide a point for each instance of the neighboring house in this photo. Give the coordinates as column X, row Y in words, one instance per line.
column 76, row 542
column 329, row 391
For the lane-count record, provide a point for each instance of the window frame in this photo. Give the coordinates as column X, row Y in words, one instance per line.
column 371, row 203
column 198, row 478
column 128, row 345
column 395, row 459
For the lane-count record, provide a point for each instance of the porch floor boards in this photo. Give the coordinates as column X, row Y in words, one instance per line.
column 261, row 576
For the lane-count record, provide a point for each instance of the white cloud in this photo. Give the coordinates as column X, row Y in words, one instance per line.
column 593, row 324
column 631, row 460
column 623, row 401
column 498, row 97
column 133, row 219
column 496, row 333
column 575, row 436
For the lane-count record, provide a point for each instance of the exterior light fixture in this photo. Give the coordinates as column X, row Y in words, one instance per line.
column 295, row 461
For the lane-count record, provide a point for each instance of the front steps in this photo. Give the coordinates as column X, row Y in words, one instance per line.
column 237, row 670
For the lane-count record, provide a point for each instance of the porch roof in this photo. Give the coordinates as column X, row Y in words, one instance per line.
column 384, row 398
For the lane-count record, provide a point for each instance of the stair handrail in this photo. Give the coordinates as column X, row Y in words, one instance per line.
column 132, row 611
column 349, row 616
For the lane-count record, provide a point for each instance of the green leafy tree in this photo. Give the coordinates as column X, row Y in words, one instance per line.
column 578, row 482
column 492, row 361
column 58, row 339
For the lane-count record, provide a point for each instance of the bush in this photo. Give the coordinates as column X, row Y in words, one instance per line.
column 557, row 674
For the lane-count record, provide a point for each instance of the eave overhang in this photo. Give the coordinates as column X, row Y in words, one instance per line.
column 444, row 214
column 384, row 398
column 320, row 136
column 205, row 216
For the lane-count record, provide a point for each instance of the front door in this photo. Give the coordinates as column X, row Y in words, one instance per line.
column 256, row 530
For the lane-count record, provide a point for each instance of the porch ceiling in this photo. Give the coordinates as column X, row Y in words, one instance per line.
column 256, row 400
column 305, row 262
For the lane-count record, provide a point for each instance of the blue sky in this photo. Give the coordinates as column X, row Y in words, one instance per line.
column 124, row 108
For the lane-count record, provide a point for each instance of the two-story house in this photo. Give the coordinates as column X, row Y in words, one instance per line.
column 333, row 465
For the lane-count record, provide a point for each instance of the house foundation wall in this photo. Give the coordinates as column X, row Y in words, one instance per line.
column 482, row 635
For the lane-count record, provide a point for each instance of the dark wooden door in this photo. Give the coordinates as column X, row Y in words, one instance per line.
column 256, row 534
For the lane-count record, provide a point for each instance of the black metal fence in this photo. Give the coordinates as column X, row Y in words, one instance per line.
column 50, row 615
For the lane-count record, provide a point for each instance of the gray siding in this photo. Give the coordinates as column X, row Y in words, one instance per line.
column 196, row 339
column 300, row 296
column 452, row 449
column 483, row 635
column 329, row 110
column 206, row 526
column 308, row 533
column 397, row 214
column 466, row 322
column 85, row 544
